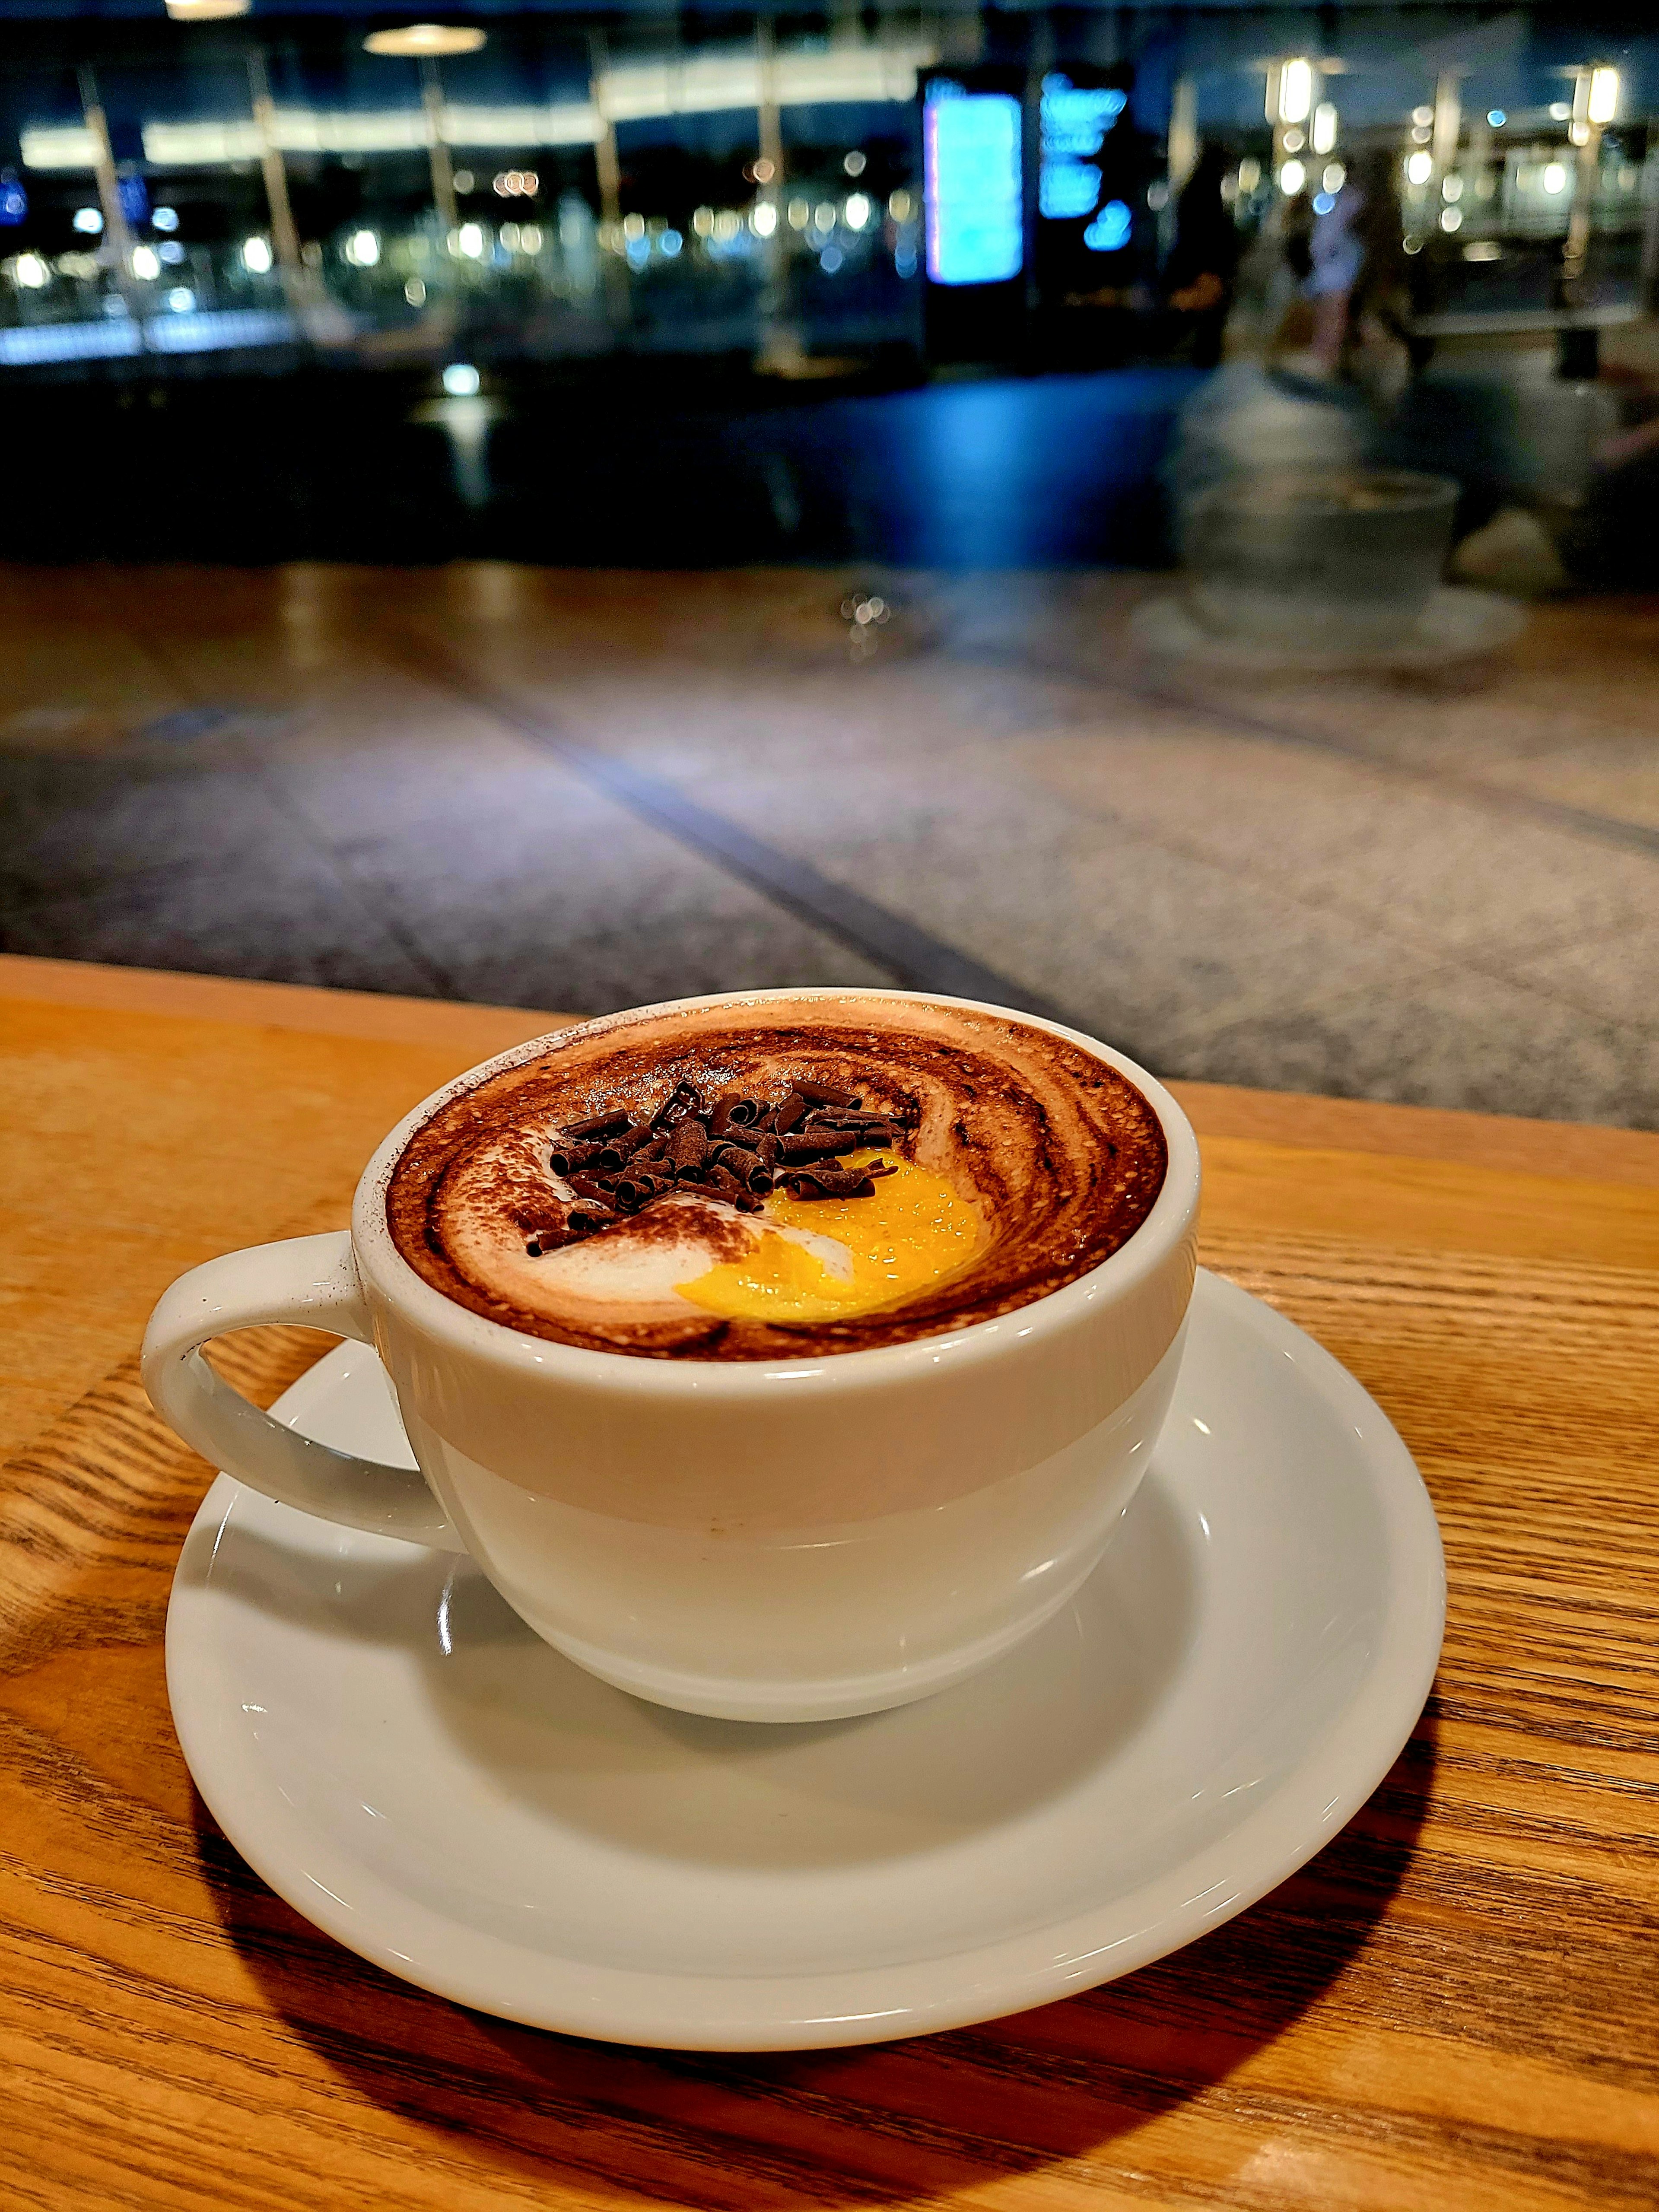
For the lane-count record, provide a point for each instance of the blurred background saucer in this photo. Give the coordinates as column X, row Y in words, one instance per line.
column 1457, row 625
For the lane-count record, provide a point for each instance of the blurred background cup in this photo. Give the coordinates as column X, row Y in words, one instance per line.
column 1321, row 559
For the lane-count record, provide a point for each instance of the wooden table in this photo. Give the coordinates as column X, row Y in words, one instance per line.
column 1455, row 2005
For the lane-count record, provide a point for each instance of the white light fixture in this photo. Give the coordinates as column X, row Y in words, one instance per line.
column 1419, row 167
column 1296, row 89
column 1554, row 178
column 181, row 300
column 1423, row 116
column 1334, row 177
column 1324, row 127
column 461, row 380
column 256, row 256
column 415, row 39
column 858, row 210
column 164, row 218
column 1451, row 188
column 1603, row 95
column 362, row 249
column 469, row 241
column 1559, row 111
column 763, row 219
column 31, row 272
column 205, row 11
column 1291, row 178
column 146, row 263
column 1451, row 218
column 88, row 222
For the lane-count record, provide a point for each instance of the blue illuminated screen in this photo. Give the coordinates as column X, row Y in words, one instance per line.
column 1110, row 230
column 972, row 185
column 1074, row 120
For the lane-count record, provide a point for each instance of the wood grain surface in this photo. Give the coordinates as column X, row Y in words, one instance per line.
column 1456, row 2004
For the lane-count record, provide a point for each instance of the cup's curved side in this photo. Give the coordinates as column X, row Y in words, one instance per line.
column 817, row 1619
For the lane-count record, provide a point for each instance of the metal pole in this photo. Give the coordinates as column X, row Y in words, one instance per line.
column 1183, row 133
column 780, row 342
column 607, row 170
column 443, row 175
column 117, row 239
column 284, row 235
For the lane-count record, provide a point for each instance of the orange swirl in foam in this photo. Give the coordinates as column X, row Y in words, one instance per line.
column 1055, row 1155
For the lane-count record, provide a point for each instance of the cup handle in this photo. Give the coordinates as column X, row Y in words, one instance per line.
column 312, row 1280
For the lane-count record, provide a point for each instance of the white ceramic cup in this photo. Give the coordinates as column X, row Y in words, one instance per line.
column 787, row 1539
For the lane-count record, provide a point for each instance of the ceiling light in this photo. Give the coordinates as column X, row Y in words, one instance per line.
column 205, row 11
column 1603, row 103
column 415, row 39
column 1296, row 89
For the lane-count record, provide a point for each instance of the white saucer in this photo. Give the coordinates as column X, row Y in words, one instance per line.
column 400, row 1758
column 1457, row 625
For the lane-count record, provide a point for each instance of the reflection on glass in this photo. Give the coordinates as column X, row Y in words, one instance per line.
column 549, row 187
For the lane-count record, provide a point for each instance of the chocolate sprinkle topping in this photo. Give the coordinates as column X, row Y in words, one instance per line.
column 736, row 1150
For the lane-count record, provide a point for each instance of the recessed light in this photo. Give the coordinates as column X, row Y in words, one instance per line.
column 420, row 38
column 205, row 11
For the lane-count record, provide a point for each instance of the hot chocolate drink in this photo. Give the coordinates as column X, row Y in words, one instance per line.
column 776, row 1179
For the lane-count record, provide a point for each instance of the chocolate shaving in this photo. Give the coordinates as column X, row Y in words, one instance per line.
column 596, row 1125
column 588, row 1186
column 833, row 1182
column 617, row 1152
column 681, row 1100
column 720, row 1184
column 565, row 1156
column 592, row 1215
column 734, row 1151
column 820, row 1144
column 690, row 1143
column 751, row 1172
column 636, row 1188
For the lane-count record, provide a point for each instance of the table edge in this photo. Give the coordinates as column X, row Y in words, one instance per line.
column 1573, row 1149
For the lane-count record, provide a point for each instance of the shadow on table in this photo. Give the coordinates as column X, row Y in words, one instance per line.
column 874, row 2125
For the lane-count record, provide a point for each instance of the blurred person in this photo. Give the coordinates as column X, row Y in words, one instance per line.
column 1608, row 542
column 1366, row 320
column 1202, row 271
column 1273, row 405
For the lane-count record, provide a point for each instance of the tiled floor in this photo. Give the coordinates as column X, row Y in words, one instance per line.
column 591, row 789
